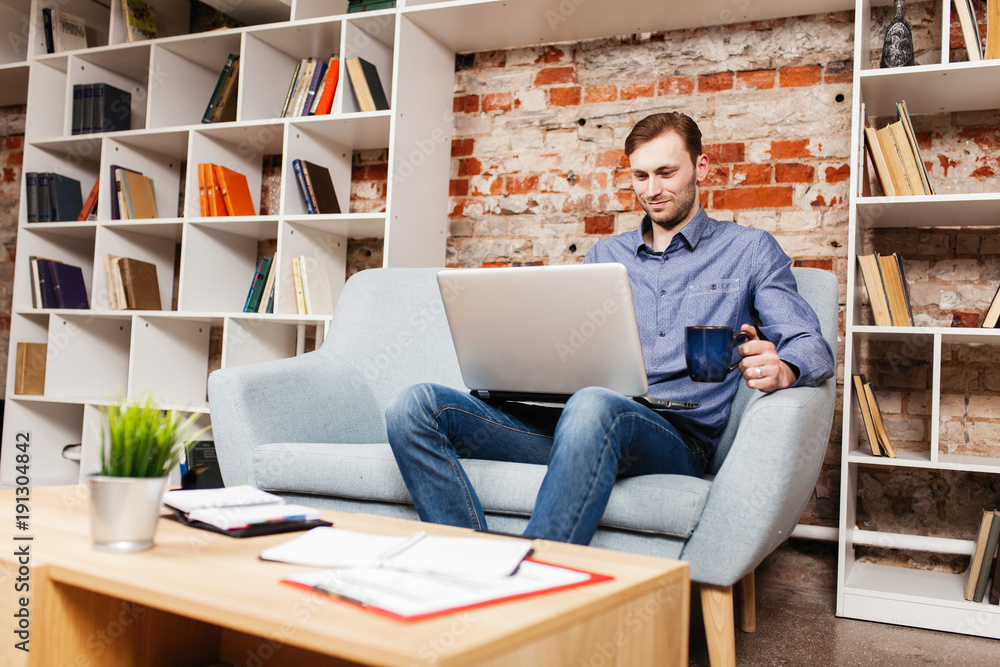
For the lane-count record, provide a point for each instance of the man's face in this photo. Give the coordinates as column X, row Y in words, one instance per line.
column 665, row 180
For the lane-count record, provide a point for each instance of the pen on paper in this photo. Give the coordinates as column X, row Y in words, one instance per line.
column 399, row 548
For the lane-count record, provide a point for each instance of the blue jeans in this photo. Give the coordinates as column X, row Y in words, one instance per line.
column 596, row 438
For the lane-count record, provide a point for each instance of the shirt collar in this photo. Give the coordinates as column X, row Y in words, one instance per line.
column 691, row 233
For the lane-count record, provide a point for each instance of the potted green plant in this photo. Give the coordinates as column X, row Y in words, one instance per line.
column 138, row 445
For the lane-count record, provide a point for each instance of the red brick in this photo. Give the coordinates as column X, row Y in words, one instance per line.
column 612, row 158
column 496, row 102
column 801, row 75
column 703, row 198
column 840, row 71
column 986, row 138
column 675, row 85
column 595, row 94
column 564, row 97
column 554, row 75
column 708, row 83
column 760, row 79
column 717, row 175
column 732, row 152
column 550, row 54
column 596, row 180
column 9, row 175
column 14, row 142
column 458, row 187
column 496, row 264
column 633, row 91
column 469, row 167
column 794, row 173
column 983, row 172
column 521, row 185
column 752, row 174
column 599, row 224
column 825, row 264
column 790, row 149
column 838, row 174
column 758, row 197
column 462, row 147
column 622, row 179
column 626, row 200
column 372, row 172
column 15, row 158
column 466, row 104
column 964, row 320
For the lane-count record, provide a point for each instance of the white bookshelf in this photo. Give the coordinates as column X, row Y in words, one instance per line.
column 98, row 353
column 866, row 590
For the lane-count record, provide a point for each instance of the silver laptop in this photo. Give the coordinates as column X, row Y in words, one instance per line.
column 542, row 333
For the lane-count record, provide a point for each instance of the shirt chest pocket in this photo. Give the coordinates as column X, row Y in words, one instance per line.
column 713, row 302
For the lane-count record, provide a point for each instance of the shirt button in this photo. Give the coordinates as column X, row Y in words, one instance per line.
column 662, row 334
column 663, row 292
column 714, row 286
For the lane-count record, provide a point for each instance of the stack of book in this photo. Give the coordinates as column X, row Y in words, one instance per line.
column 311, row 90
column 369, row 5
column 223, row 191
column 52, row 197
column 63, row 31
column 222, row 104
column 133, row 195
column 970, row 29
column 260, row 297
column 315, row 187
column 366, row 85
column 313, row 295
column 896, row 157
column 100, row 107
column 871, row 415
column 55, row 284
column 132, row 284
column 984, row 560
column 887, row 289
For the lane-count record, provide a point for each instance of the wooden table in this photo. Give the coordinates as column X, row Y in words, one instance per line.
column 199, row 598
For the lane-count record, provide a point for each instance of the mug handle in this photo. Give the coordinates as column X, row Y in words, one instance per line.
column 736, row 343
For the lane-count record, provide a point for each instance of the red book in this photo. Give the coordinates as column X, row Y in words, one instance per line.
column 203, row 188
column 90, row 205
column 235, row 191
column 329, row 88
column 216, row 204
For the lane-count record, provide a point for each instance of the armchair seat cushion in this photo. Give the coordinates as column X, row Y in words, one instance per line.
column 668, row 505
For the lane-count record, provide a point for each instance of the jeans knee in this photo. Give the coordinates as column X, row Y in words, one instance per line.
column 408, row 405
column 595, row 400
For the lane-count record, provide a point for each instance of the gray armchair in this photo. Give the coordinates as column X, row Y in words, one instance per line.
column 312, row 428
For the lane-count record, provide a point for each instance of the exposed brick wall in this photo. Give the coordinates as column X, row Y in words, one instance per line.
column 11, row 155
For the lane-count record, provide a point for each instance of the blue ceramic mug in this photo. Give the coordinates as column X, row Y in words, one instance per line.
column 709, row 351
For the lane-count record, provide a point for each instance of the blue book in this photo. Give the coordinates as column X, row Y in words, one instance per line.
column 68, row 286
column 257, row 286
column 44, row 198
column 66, row 197
column 112, row 109
column 317, row 78
column 77, row 125
column 300, row 180
column 87, row 110
column 46, row 288
column 31, row 194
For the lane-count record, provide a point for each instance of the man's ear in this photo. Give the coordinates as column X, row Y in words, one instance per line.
column 701, row 168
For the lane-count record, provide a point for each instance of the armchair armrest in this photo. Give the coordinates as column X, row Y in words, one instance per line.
column 316, row 397
column 764, row 484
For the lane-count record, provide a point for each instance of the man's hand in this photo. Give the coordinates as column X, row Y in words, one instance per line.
column 760, row 365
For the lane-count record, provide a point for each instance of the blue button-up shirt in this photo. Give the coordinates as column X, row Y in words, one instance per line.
column 713, row 273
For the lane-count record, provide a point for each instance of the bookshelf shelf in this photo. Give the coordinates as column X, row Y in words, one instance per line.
column 916, row 362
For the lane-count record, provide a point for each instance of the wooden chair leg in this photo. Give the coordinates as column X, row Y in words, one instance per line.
column 746, row 609
column 720, row 633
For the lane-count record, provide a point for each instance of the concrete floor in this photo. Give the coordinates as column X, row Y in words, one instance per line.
column 796, row 623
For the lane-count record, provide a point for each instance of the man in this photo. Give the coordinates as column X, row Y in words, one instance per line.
column 685, row 269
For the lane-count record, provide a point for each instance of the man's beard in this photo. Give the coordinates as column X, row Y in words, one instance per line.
column 682, row 204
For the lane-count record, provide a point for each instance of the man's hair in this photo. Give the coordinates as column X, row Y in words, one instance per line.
column 652, row 127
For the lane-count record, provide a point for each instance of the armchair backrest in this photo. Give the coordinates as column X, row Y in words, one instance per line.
column 820, row 290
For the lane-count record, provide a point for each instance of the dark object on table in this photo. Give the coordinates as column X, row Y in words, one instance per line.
column 897, row 48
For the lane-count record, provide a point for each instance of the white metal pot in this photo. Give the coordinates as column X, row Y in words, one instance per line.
column 124, row 511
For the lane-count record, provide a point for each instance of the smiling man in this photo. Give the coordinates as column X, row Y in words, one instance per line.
column 685, row 269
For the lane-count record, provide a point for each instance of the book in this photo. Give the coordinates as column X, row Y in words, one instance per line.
column 366, row 85
column 116, row 212
column 76, row 124
column 200, row 468
column 113, row 279
column 906, row 157
column 112, row 109
column 142, row 289
column 291, row 90
column 892, row 161
column 994, row 595
column 300, row 181
column 256, row 291
column 69, row 32
column 316, row 290
column 992, row 31
column 904, row 116
column 300, row 300
column 872, row 277
column 43, row 198
column 68, row 286
column 216, row 204
column 317, row 78
column 989, row 555
column 324, row 98
column 993, row 312
column 874, row 149
column 89, row 209
column 301, row 87
column 140, row 200
column 970, row 29
column 980, row 558
column 225, row 106
column 214, row 99
column 319, row 185
column 369, row 5
column 235, row 191
column 50, row 45
column 880, row 430
column 65, row 198
column 140, row 20
column 866, row 413
column 896, row 290
column 267, row 295
column 29, row 369
column 44, row 286
column 87, row 109
column 240, row 511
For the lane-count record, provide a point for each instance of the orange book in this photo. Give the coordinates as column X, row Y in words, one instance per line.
column 325, row 103
column 203, row 188
column 216, row 204
column 90, row 205
column 235, row 191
